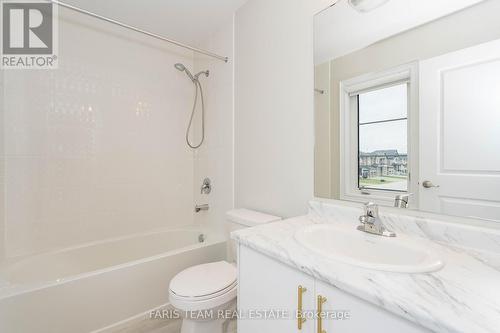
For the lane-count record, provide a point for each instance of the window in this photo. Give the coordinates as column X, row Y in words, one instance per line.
column 377, row 155
column 383, row 139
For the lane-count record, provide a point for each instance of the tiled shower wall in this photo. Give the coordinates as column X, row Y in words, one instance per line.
column 95, row 149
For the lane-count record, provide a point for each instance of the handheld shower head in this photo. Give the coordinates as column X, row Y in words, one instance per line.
column 197, row 84
column 182, row 68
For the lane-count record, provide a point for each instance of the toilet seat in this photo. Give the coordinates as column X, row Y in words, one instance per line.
column 205, row 297
column 188, row 304
column 204, row 286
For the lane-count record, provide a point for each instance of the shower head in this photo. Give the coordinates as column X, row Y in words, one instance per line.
column 183, row 68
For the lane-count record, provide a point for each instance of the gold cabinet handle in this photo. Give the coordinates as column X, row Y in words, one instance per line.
column 321, row 301
column 300, row 316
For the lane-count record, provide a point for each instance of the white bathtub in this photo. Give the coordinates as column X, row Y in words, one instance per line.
column 96, row 285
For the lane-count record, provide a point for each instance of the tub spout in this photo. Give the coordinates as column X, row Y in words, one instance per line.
column 198, row 208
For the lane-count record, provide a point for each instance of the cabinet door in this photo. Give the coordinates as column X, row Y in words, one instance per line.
column 364, row 317
column 268, row 287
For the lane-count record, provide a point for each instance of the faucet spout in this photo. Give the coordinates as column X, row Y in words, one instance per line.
column 199, row 208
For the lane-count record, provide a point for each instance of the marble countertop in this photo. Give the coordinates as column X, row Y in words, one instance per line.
column 464, row 296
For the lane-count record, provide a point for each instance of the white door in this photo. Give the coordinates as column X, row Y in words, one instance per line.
column 460, row 132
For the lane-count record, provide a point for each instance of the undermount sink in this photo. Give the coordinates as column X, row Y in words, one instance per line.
column 393, row 254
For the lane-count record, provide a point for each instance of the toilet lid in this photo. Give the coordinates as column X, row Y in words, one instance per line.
column 205, row 279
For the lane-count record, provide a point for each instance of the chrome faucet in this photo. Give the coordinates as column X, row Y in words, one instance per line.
column 199, row 208
column 206, row 187
column 401, row 200
column 370, row 222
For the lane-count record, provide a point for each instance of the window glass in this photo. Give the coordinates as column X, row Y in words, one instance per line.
column 383, row 139
column 383, row 104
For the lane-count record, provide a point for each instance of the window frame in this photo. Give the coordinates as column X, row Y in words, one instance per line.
column 349, row 133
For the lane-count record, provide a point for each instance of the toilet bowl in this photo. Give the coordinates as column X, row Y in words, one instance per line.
column 206, row 294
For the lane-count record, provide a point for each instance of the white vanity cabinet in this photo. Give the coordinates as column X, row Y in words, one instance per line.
column 266, row 287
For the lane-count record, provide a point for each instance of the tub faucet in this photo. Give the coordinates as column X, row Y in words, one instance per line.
column 199, row 208
column 206, row 187
column 371, row 223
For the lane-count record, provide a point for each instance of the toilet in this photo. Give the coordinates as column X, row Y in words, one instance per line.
column 201, row 292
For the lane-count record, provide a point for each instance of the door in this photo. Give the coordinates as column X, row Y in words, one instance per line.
column 269, row 295
column 345, row 313
column 460, row 133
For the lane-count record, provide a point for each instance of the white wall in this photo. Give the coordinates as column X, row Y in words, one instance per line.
column 214, row 159
column 274, row 131
column 95, row 149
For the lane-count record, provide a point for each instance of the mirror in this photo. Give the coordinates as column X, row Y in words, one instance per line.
column 407, row 104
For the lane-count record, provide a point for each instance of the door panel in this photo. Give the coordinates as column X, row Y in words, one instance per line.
column 460, row 132
column 267, row 285
column 364, row 317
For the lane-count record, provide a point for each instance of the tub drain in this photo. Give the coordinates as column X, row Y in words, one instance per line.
column 201, row 238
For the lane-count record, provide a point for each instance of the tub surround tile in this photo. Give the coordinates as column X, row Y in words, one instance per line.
column 93, row 151
column 464, row 296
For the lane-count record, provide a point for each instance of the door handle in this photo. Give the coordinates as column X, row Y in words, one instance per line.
column 321, row 301
column 428, row 184
column 300, row 316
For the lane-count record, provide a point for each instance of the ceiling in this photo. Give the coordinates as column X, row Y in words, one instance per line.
column 340, row 30
column 188, row 21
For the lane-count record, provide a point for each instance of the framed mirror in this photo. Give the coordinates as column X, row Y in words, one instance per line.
column 407, row 104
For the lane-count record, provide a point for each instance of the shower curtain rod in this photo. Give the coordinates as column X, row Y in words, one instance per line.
column 107, row 19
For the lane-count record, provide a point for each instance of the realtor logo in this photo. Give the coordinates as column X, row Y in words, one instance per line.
column 28, row 34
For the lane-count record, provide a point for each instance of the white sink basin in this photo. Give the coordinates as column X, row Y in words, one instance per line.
column 394, row 254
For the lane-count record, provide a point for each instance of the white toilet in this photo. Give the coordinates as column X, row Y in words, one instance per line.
column 203, row 290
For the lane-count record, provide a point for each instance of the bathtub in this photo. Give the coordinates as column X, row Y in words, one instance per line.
column 89, row 287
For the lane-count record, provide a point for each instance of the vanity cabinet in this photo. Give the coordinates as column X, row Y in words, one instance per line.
column 364, row 316
column 270, row 288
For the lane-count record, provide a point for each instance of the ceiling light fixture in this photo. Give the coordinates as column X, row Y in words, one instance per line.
column 364, row 6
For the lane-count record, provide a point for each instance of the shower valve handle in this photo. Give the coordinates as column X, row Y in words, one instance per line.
column 206, row 187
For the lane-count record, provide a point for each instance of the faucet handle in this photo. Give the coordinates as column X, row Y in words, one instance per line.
column 371, row 223
column 371, row 209
column 206, row 187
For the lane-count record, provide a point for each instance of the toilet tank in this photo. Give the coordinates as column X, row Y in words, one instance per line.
column 243, row 218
